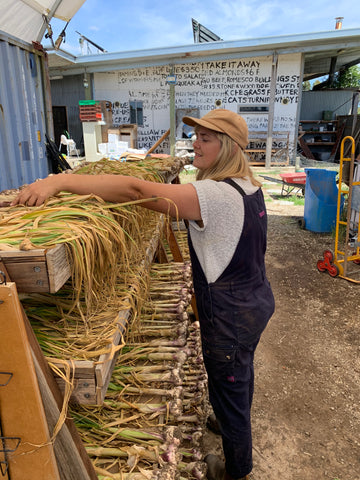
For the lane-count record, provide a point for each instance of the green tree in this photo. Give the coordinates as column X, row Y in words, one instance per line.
column 348, row 77
column 306, row 86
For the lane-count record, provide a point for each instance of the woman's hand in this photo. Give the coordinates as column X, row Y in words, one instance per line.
column 36, row 193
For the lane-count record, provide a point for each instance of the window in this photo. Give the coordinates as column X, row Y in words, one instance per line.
column 136, row 113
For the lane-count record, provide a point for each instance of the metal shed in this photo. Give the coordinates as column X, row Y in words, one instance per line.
column 23, row 113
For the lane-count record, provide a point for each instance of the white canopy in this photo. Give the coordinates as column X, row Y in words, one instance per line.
column 23, row 19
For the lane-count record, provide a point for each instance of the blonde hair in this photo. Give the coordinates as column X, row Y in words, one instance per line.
column 231, row 162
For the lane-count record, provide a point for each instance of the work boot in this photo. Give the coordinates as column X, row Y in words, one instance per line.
column 216, row 469
column 212, row 424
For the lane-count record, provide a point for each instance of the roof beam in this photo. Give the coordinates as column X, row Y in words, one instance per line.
column 36, row 6
column 49, row 16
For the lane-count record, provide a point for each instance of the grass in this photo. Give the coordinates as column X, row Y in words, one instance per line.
column 291, row 198
column 297, row 200
column 187, row 176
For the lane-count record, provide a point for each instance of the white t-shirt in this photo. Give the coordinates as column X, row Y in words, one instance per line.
column 222, row 213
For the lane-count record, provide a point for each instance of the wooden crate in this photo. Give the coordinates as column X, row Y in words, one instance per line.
column 126, row 132
column 46, row 271
column 37, row 271
column 95, row 111
column 91, row 378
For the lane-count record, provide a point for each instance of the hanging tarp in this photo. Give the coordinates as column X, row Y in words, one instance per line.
column 24, row 19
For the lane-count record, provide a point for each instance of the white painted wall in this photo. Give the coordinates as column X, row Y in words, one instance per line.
column 236, row 82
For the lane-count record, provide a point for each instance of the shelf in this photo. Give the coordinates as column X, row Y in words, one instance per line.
column 328, row 132
column 316, row 122
column 316, row 143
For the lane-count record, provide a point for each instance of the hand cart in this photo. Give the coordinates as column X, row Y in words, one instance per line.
column 345, row 261
column 291, row 183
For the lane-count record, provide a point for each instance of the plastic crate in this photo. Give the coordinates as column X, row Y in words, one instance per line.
column 90, row 113
column 89, row 102
column 95, row 110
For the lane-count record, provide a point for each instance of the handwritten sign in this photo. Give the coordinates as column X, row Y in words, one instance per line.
column 205, row 85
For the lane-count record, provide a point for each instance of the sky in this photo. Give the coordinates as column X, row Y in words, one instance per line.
column 123, row 25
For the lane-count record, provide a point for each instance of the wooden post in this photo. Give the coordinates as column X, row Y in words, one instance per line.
column 172, row 115
column 271, row 110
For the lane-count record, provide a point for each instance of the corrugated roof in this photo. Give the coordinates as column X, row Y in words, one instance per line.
column 318, row 48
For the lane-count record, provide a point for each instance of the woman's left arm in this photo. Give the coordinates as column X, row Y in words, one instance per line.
column 176, row 199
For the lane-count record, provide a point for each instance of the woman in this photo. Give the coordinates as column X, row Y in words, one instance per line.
column 227, row 242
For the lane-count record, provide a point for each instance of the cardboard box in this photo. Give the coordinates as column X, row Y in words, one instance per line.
column 103, row 148
column 113, row 137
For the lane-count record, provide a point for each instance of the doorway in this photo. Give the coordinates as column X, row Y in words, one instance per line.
column 60, row 123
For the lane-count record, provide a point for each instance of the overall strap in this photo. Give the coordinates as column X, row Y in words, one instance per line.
column 231, row 182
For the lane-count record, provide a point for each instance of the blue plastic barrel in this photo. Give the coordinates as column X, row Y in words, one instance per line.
column 321, row 196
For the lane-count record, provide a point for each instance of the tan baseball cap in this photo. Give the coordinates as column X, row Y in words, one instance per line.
column 224, row 121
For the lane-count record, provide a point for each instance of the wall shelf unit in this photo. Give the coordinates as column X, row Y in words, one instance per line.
column 320, row 139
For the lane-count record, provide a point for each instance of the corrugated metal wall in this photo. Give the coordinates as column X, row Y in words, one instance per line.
column 22, row 115
column 314, row 103
column 67, row 92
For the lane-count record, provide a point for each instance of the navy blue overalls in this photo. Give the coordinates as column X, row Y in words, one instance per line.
column 233, row 312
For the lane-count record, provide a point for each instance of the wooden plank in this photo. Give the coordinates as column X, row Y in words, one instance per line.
column 23, row 255
column 339, row 134
column 58, row 267
column 40, row 270
column 30, row 274
column 80, row 368
column 194, row 307
column 68, row 439
column 260, row 150
column 84, row 382
column 22, row 412
column 70, row 463
column 307, row 152
column 173, row 244
column 84, row 390
column 161, row 255
column 104, row 364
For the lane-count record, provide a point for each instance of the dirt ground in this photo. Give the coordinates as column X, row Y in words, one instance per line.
column 306, row 408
